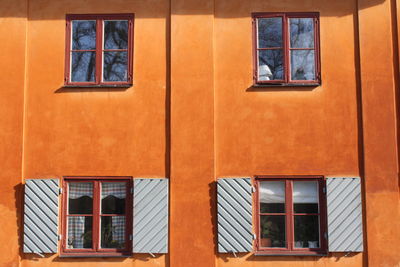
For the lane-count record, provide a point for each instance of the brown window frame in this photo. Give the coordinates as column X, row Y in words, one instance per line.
column 286, row 81
column 99, row 18
column 289, row 216
column 96, row 249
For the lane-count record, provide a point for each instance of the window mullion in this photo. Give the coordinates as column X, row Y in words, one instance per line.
column 289, row 216
column 96, row 215
column 286, row 50
column 99, row 50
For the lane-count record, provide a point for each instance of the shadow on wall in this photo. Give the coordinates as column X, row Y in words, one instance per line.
column 213, row 210
column 19, row 192
column 56, row 258
column 56, row 10
column 226, row 257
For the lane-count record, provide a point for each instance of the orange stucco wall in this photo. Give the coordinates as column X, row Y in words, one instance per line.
column 12, row 77
column 192, row 115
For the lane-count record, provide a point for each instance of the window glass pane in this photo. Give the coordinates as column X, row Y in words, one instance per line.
column 83, row 66
column 80, row 198
column 115, row 66
column 272, row 231
column 115, row 34
column 303, row 65
column 79, row 232
column 306, row 231
column 113, row 198
column 301, row 32
column 305, row 196
column 270, row 65
column 113, row 231
column 272, row 197
column 269, row 32
column 83, row 34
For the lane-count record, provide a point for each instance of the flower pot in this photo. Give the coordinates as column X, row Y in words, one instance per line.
column 265, row 242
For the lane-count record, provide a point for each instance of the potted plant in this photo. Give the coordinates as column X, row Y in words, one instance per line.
column 269, row 233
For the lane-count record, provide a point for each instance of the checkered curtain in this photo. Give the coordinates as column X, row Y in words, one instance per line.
column 118, row 229
column 76, row 229
column 113, row 189
column 77, row 190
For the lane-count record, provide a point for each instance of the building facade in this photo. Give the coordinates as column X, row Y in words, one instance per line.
column 229, row 134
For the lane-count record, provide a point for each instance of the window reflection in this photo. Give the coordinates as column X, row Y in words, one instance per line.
column 270, row 65
column 115, row 66
column 302, row 65
column 270, row 32
column 83, row 34
column 115, row 34
column 83, row 66
column 301, row 32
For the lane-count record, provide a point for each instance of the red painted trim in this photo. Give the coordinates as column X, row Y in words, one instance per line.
column 289, row 214
column 286, row 47
column 99, row 48
column 96, row 249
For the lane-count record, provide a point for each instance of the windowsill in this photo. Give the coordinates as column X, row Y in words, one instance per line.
column 263, row 253
column 266, row 85
column 94, row 255
column 97, row 86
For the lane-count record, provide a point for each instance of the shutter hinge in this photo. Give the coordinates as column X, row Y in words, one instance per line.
column 325, row 235
column 253, row 189
column 130, row 237
column 60, row 191
column 59, row 237
column 254, row 236
column 324, row 190
column 132, row 190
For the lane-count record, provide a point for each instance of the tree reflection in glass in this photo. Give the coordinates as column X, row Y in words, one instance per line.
column 115, row 55
column 83, row 56
column 270, row 55
column 301, row 33
column 270, row 32
column 115, row 34
column 115, row 66
column 302, row 54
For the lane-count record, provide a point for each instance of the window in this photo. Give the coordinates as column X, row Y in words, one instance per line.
column 286, row 49
column 97, row 216
column 291, row 216
column 99, row 50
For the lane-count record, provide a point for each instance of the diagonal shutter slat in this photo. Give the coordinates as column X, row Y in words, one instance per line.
column 150, row 219
column 234, row 199
column 345, row 231
column 41, row 216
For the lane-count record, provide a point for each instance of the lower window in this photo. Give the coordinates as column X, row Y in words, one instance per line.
column 97, row 216
column 291, row 215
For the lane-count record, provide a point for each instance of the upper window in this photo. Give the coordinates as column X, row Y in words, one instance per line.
column 291, row 216
column 99, row 50
column 97, row 216
column 286, row 49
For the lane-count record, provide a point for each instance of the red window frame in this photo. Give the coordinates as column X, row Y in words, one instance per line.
column 96, row 250
column 99, row 18
column 286, row 81
column 289, row 215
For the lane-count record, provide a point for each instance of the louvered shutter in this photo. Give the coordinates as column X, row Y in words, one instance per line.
column 345, row 230
column 41, row 216
column 150, row 219
column 234, row 198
